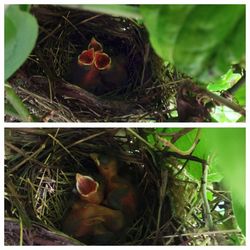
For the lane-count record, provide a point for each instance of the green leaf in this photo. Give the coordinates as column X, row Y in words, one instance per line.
column 201, row 151
column 24, row 7
column 127, row 11
column 240, row 95
column 151, row 139
column 210, row 195
column 20, row 33
column 229, row 145
column 15, row 105
column 225, row 82
column 193, row 37
column 239, row 211
column 225, row 114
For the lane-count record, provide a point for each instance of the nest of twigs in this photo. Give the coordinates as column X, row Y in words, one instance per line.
column 43, row 85
column 41, row 165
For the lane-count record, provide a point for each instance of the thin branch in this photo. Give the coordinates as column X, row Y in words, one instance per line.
column 226, row 102
column 176, row 135
column 207, row 210
column 236, row 86
column 187, row 157
column 214, row 97
column 177, row 150
column 162, row 195
column 27, row 157
column 140, row 138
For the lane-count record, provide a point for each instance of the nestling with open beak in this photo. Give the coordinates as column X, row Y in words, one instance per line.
column 87, row 219
column 121, row 195
column 96, row 72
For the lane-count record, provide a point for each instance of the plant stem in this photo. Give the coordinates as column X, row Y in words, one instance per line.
column 208, row 216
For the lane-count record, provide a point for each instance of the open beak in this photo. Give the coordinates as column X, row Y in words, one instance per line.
column 95, row 45
column 102, row 61
column 86, row 185
column 87, row 57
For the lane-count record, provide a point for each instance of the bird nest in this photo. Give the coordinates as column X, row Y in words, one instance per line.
column 43, row 83
column 41, row 165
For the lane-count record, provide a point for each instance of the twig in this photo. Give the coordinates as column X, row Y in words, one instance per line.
column 177, row 135
column 187, row 157
column 177, row 150
column 140, row 138
column 226, row 102
column 145, row 59
column 85, row 139
column 58, row 142
column 162, row 195
column 214, row 97
column 21, row 231
column 27, row 158
column 236, row 86
column 208, row 216
column 230, row 231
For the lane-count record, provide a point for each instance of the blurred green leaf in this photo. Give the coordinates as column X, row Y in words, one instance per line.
column 127, row 11
column 239, row 211
column 229, row 145
column 151, row 139
column 240, row 95
column 24, row 7
column 20, row 34
column 194, row 37
column 210, row 195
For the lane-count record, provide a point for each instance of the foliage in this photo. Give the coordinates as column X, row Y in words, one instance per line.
column 224, row 149
column 21, row 31
column 200, row 40
column 14, row 105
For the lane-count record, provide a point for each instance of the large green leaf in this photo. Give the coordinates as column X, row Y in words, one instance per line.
column 229, row 145
column 20, row 34
column 127, row 11
column 200, row 40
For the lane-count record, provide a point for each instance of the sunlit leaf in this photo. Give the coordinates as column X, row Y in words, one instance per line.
column 224, row 82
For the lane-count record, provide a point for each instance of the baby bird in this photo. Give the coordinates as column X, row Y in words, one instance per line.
column 94, row 71
column 121, row 195
column 88, row 220
column 88, row 189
